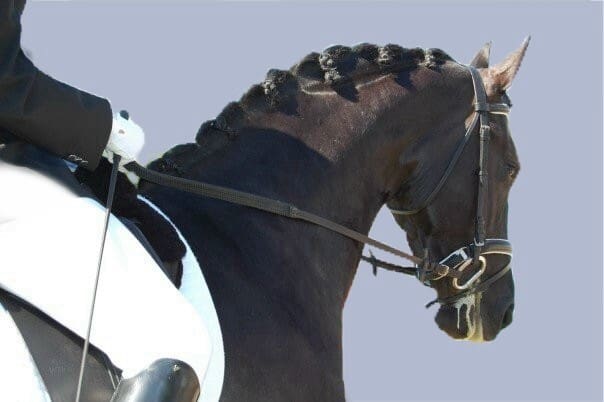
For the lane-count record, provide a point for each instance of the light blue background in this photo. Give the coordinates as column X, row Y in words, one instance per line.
column 174, row 65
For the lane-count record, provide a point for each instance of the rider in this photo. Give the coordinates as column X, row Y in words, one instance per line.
column 60, row 122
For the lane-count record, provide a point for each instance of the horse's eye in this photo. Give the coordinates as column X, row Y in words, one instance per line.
column 512, row 171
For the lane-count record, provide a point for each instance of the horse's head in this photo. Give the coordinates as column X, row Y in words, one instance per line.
column 408, row 118
column 438, row 206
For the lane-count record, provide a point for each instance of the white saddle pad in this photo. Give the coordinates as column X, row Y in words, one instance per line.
column 48, row 258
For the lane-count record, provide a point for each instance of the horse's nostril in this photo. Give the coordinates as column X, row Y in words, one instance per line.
column 507, row 317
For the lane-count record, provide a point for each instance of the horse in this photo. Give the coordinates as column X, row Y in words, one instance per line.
column 341, row 134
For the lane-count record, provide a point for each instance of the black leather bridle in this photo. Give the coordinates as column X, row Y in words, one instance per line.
column 473, row 255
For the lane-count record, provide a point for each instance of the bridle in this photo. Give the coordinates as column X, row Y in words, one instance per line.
column 452, row 266
column 473, row 255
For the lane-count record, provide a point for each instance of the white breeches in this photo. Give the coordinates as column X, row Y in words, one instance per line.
column 49, row 249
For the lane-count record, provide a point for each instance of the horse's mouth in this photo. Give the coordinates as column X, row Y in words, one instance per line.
column 465, row 319
column 461, row 320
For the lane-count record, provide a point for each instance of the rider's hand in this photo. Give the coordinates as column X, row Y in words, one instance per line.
column 126, row 139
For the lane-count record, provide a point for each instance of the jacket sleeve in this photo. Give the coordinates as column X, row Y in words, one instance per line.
column 38, row 109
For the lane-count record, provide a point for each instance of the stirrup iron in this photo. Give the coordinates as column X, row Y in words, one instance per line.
column 165, row 380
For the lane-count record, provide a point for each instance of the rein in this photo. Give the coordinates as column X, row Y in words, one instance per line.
column 262, row 203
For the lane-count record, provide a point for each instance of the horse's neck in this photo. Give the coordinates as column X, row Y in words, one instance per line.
column 303, row 160
column 310, row 161
column 334, row 157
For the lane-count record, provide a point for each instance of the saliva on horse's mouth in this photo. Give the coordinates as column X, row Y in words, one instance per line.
column 461, row 320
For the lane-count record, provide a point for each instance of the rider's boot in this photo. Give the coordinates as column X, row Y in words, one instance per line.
column 166, row 380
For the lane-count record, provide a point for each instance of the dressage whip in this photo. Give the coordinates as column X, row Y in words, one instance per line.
column 112, row 181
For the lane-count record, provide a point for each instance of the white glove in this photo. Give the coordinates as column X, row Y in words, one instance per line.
column 126, row 139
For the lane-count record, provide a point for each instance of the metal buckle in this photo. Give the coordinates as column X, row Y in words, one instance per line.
column 463, row 266
column 478, row 244
column 460, row 254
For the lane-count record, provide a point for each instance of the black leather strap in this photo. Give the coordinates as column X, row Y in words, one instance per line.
column 482, row 286
column 497, row 108
column 262, row 203
column 463, row 254
column 481, row 108
column 460, row 147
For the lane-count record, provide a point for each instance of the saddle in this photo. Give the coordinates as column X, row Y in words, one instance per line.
column 153, row 230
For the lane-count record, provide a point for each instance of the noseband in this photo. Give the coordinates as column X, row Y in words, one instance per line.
column 473, row 255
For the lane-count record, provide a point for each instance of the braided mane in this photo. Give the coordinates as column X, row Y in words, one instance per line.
column 333, row 68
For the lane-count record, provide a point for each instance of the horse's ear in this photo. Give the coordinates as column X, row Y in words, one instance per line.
column 505, row 71
column 481, row 60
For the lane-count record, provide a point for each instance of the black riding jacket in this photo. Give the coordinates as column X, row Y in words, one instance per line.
column 38, row 109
